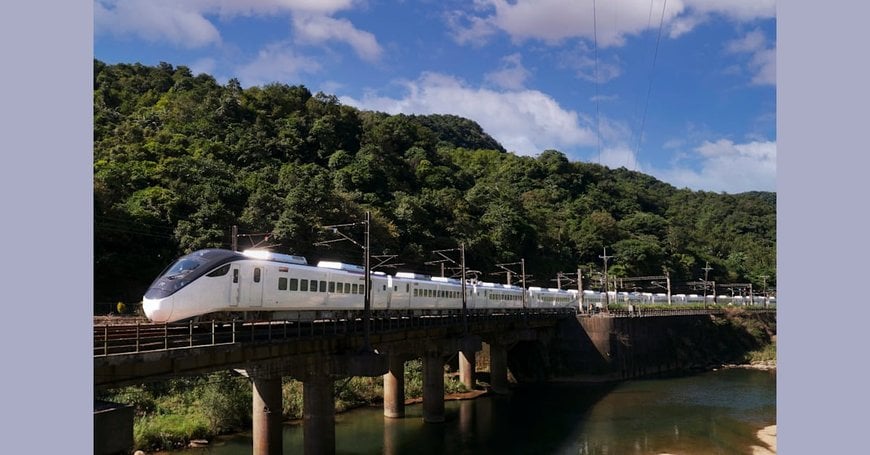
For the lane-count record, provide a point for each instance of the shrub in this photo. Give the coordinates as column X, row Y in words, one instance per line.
column 225, row 402
column 168, row 430
column 291, row 397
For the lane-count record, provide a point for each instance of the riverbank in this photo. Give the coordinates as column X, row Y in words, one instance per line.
column 767, row 435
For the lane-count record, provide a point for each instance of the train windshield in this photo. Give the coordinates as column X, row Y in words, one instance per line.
column 187, row 269
column 183, row 267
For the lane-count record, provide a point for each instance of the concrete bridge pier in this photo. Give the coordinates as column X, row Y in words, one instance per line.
column 433, row 388
column 394, row 388
column 466, row 368
column 318, row 410
column 267, row 410
column 498, row 368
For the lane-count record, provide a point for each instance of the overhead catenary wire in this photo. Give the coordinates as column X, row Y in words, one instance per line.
column 649, row 86
column 597, row 97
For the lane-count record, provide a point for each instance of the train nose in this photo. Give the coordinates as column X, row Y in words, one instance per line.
column 157, row 310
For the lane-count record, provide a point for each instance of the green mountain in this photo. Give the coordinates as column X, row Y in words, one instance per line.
column 179, row 159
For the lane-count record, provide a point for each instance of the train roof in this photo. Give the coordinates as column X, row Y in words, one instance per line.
column 277, row 257
column 341, row 266
column 412, row 276
column 442, row 279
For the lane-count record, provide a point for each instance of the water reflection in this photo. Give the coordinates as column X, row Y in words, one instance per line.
column 712, row 413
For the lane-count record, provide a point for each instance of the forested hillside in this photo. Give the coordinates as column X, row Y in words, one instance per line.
column 179, row 159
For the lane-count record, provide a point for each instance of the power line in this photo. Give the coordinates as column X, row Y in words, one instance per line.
column 649, row 87
column 597, row 97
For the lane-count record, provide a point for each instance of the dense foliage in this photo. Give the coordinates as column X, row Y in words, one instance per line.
column 179, row 159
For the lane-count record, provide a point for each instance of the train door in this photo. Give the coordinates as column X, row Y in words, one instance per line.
column 252, row 286
column 235, row 286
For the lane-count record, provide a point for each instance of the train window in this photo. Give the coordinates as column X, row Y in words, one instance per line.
column 415, row 292
column 294, row 284
column 303, row 285
column 323, row 286
column 312, row 286
column 395, row 289
column 362, row 289
column 220, row 271
column 407, row 287
column 282, row 284
column 257, row 275
column 385, row 287
column 354, row 288
column 331, row 286
column 235, row 275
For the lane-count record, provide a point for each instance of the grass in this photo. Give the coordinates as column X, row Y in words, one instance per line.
column 765, row 354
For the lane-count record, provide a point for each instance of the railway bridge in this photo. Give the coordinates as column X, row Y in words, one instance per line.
column 317, row 353
column 542, row 344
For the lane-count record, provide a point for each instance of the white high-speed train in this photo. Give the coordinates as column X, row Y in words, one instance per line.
column 216, row 283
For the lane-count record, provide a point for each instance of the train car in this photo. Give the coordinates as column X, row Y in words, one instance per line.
column 497, row 296
column 423, row 292
column 553, row 298
column 259, row 284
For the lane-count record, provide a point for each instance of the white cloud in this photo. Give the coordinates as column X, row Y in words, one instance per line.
column 582, row 61
column 619, row 156
column 740, row 10
column 184, row 23
column 762, row 62
column 230, row 8
column 555, row 20
column 512, row 75
column 523, row 121
column 468, row 29
column 155, row 21
column 320, row 29
column 764, row 65
column 276, row 63
column 726, row 166
column 685, row 24
column 205, row 65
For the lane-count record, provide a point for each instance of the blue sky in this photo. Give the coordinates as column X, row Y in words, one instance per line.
column 684, row 90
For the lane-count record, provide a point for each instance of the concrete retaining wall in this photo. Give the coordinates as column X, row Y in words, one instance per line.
column 601, row 348
column 113, row 428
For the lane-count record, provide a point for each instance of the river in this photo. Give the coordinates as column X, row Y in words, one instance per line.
column 716, row 412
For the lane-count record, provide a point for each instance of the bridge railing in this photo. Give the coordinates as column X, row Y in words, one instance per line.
column 115, row 339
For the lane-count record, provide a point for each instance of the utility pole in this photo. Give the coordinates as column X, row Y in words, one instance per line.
column 367, row 303
column 444, row 259
column 367, row 281
column 605, row 257
column 522, row 265
column 580, row 288
column 668, row 280
column 523, row 271
column 235, row 239
column 464, row 299
column 706, row 269
column 764, row 284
